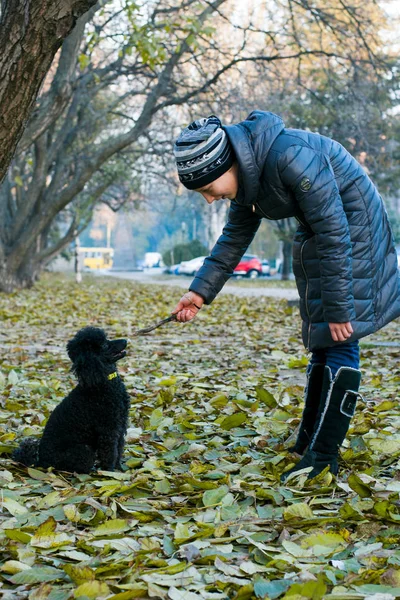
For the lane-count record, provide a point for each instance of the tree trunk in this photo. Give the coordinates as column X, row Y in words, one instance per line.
column 25, row 277
column 287, row 259
column 217, row 218
column 31, row 33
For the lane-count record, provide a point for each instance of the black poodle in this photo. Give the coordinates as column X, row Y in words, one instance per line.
column 89, row 425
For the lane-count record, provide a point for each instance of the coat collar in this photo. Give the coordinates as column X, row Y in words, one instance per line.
column 251, row 140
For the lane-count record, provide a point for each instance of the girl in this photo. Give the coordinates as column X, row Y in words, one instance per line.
column 344, row 258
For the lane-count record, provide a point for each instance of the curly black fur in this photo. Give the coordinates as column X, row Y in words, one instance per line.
column 89, row 425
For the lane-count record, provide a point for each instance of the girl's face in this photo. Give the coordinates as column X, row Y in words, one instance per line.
column 225, row 187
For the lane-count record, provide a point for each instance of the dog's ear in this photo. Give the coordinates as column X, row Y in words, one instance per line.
column 86, row 351
column 89, row 369
column 88, row 339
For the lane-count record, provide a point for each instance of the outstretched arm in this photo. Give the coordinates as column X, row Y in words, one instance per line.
column 233, row 242
column 236, row 237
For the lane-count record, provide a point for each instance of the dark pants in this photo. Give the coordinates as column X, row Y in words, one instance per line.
column 341, row 355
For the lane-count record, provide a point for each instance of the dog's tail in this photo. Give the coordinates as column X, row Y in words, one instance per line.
column 27, row 452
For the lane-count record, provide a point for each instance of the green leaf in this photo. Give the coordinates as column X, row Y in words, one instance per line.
column 111, row 528
column 47, row 527
column 130, row 595
column 37, row 575
column 18, row 535
column 163, row 486
column 13, row 378
column 298, row 511
column 297, row 363
column 83, row 60
column 44, row 537
column 14, row 507
column 315, row 590
column 182, row 532
column 266, row 397
column 389, row 446
column 295, row 549
column 156, row 418
column 331, row 540
column 271, row 589
column 214, row 497
column 382, row 508
column 233, row 420
column 36, row 474
column 72, row 513
column 79, row 573
column 361, row 488
column 92, row 589
column 168, row 546
column 219, row 401
column 13, row 566
column 347, row 511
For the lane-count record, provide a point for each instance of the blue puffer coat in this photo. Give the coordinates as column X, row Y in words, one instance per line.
column 344, row 258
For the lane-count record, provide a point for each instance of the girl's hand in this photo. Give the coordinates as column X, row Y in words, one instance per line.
column 340, row 332
column 188, row 307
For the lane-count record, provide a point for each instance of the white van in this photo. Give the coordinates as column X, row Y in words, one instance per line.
column 153, row 259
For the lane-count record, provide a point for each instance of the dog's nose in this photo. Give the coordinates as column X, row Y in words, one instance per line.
column 122, row 343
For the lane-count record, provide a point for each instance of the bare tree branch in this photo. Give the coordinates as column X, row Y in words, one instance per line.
column 50, row 105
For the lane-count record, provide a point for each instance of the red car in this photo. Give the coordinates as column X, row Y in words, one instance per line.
column 249, row 266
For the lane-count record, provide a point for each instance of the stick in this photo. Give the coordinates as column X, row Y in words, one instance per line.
column 148, row 329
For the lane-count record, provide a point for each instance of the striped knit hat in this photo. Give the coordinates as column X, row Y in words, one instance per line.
column 203, row 153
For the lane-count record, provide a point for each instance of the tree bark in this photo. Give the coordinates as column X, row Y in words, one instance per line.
column 31, row 33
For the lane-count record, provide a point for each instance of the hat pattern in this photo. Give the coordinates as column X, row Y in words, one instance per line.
column 202, row 153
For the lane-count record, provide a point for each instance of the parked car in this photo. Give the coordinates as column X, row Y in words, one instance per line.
column 190, row 267
column 249, row 266
column 266, row 269
column 172, row 269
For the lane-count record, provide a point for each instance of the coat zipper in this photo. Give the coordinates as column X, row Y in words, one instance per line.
column 261, row 210
column 300, row 221
column 254, row 206
column 306, row 297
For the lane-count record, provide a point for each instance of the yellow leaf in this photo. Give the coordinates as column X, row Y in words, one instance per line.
column 331, row 540
column 13, row 566
column 92, row 589
column 72, row 513
column 46, row 536
column 233, row 420
column 14, row 507
column 298, row 511
column 111, row 527
column 79, row 573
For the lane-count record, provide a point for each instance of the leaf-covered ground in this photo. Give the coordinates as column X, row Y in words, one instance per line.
column 199, row 512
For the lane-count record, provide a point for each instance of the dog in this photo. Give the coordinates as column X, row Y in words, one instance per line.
column 88, row 427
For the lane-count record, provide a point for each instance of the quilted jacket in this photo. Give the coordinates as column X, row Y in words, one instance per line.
column 344, row 258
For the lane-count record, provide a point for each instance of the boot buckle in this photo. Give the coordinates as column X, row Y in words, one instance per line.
column 348, row 404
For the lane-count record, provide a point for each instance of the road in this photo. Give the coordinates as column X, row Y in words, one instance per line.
column 152, row 277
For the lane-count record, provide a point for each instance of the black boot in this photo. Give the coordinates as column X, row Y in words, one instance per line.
column 337, row 406
column 312, row 395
